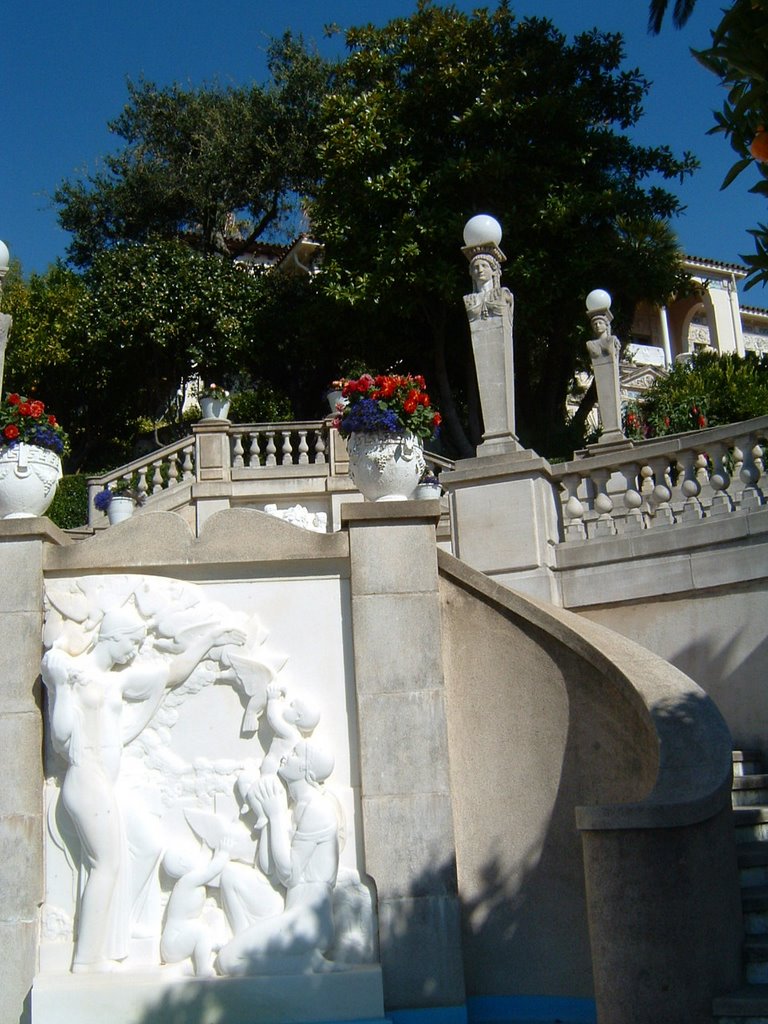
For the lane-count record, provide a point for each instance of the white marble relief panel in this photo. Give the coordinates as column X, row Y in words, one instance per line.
column 201, row 768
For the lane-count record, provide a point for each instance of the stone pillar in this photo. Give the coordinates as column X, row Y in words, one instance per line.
column 21, row 738
column 406, row 799
column 213, row 467
column 604, row 353
column 504, row 520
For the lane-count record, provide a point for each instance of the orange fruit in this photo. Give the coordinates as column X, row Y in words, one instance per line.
column 759, row 146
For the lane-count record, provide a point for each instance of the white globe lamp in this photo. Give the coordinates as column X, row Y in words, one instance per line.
column 482, row 230
column 599, row 299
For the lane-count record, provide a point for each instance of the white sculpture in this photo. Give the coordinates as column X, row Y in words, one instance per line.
column 299, row 515
column 169, row 825
column 304, row 848
column 603, row 351
column 91, row 720
column 490, row 309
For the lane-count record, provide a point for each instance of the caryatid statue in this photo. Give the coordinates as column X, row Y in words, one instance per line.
column 603, row 350
column 489, row 311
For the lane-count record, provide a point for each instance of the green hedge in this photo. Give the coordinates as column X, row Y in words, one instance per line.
column 69, row 508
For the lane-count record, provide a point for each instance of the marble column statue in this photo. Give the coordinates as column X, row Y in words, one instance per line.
column 489, row 310
column 603, row 351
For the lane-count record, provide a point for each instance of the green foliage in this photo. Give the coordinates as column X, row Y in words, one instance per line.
column 261, row 402
column 708, row 391
column 681, row 12
column 202, row 161
column 69, row 508
column 444, row 114
column 739, row 57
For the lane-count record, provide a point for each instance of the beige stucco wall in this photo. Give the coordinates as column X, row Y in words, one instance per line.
column 717, row 637
column 533, row 732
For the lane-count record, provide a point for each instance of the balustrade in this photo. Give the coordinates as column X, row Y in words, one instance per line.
column 665, row 482
column 269, row 445
column 162, row 470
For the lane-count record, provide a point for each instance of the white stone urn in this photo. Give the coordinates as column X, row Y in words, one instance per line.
column 120, row 508
column 383, row 466
column 28, row 479
column 427, row 492
column 214, row 408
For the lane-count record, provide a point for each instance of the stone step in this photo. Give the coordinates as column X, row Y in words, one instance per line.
column 756, row 960
column 751, row 824
column 750, row 790
column 747, row 762
column 753, row 864
column 747, row 1006
column 754, row 903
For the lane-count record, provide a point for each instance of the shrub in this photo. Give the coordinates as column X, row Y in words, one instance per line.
column 69, row 507
column 708, row 391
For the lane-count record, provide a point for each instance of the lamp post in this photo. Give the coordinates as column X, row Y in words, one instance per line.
column 603, row 350
column 489, row 310
column 5, row 319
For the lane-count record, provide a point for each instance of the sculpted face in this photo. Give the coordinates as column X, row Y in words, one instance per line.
column 481, row 272
column 600, row 324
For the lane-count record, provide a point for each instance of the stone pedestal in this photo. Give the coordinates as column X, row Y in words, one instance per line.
column 167, row 996
column 606, row 371
column 504, row 520
column 407, row 816
column 494, row 364
column 21, row 805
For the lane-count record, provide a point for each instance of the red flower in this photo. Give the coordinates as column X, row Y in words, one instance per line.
column 25, row 409
column 702, row 421
column 37, row 408
column 409, row 405
column 10, row 432
column 13, row 399
column 437, row 419
column 51, row 421
column 666, row 421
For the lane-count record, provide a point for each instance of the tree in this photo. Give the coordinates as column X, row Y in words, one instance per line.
column 209, row 163
column 739, row 57
column 442, row 115
column 681, row 12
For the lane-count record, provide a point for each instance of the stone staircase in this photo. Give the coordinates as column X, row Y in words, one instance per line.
column 750, row 808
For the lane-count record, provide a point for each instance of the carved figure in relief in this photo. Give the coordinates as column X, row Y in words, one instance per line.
column 100, row 701
column 488, row 299
column 304, row 848
column 604, row 343
column 185, row 934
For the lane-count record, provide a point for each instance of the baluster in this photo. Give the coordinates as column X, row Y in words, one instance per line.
column 157, row 476
column 271, row 460
column 237, row 451
column 603, row 526
column 720, row 481
column 751, row 471
column 658, row 501
column 303, row 448
column 186, row 466
column 287, row 459
column 141, row 486
column 632, row 521
column 573, row 509
column 254, row 452
column 173, row 472
column 690, row 487
column 319, row 448
column 738, row 462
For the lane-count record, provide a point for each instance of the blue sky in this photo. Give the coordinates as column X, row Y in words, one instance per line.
column 63, row 67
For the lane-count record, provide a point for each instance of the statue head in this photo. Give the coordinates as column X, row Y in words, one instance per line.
column 304, row 714
column 122, row 630
column 485, row 272
column 307, row 761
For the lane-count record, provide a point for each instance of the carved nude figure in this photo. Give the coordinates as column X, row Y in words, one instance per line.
column 184, row 934
column 604, row 343
column 304, row 848
column 100, row 701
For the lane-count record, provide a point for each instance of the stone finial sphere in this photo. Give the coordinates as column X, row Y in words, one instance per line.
column 5, row 257
column 598, row 300
column 481, row 230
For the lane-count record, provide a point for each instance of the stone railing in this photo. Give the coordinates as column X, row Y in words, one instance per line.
column 663, row 482
column 267, row 445
column 255, row 449
column 161, row 470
